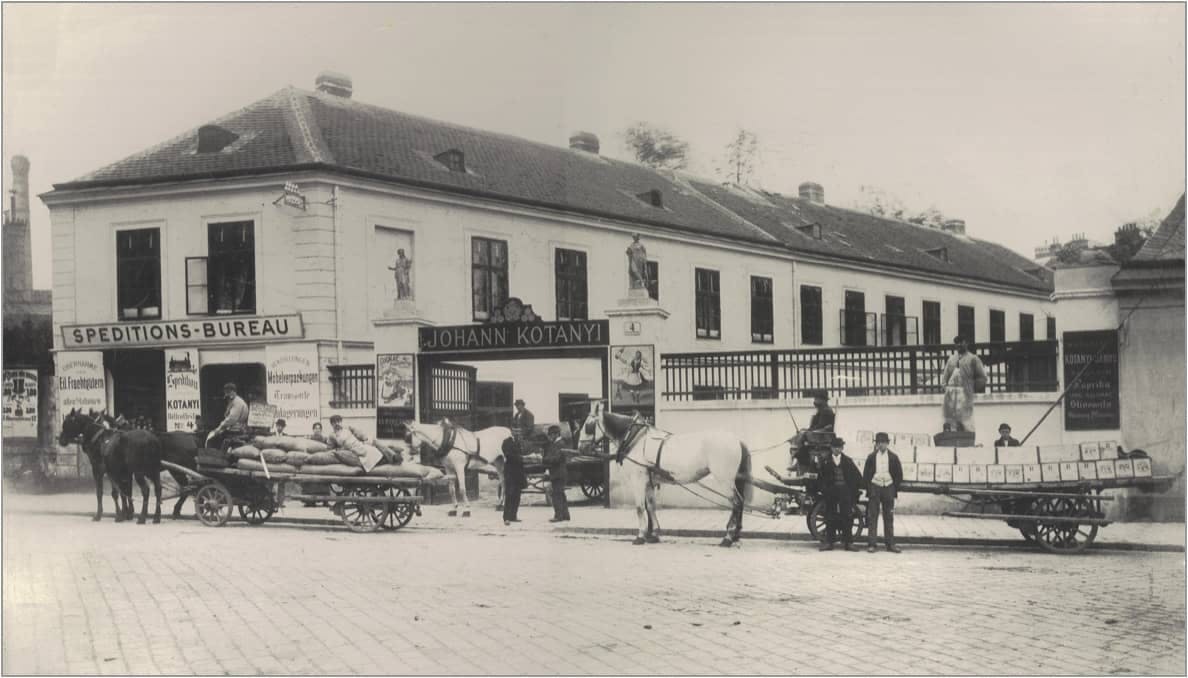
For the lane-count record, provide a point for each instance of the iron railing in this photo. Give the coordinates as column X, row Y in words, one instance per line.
column 1014, row 367
column 353, row 386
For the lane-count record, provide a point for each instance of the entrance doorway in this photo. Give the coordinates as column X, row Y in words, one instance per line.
column 138, row 384
column 249, row 379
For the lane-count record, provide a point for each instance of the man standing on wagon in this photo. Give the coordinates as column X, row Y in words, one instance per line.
column 839, row 479
column 883, row 473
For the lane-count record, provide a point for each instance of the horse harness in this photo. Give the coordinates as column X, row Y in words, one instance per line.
column 637, row 432
column 448, row 436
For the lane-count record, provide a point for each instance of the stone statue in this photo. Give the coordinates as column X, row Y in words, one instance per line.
column 964, row 375
column 402, row 267
column 637, row 260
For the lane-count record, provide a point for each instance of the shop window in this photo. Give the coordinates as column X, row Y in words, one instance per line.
column 965, row 322
column 488, row 275
column 224, row 281
column 709, row 304
column 570, row 275
column 932, row 323
column 997, row 326
column 138, row 265
column 811, row 322
column 654, row 280
column 762, row 322
column 1026, row 327
column 352, row 386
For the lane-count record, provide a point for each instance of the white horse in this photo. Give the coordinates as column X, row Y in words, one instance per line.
column 461, row 450
column 650, row 457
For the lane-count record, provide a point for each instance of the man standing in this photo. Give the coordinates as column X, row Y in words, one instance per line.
column 514, row 479
column 840, row 480
column 964, row 374
column 1004, row 437
column 883, row 473
column 554, row 458
column 235, row 418
column 523, row 422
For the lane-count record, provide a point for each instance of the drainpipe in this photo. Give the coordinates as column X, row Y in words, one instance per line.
column 337, row 298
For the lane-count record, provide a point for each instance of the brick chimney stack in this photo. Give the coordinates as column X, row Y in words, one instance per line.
column 17, row 249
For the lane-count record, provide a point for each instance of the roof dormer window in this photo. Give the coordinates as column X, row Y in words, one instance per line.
column 453, row 160
column 811, row 230
column 652, row 197
column 212, row 138
column 941, row 253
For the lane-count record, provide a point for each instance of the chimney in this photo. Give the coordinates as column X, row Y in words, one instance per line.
column 956, row 226
column 584, row 141
column 334, row 83
column 18, row 251
column 812, row 192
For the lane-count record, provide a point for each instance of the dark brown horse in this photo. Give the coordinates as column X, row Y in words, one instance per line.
column 124, row 456
column 90, row 434
column 177, row 447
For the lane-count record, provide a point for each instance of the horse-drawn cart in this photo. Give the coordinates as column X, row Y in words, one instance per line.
column 364, row 503
column 1061, row 516
column 585, row 471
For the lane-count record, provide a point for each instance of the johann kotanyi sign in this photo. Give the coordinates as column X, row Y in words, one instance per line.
column 184, row 332
column 534, row 335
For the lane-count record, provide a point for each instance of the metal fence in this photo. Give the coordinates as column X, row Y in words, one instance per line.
column 354, row 386
column 1011, row 367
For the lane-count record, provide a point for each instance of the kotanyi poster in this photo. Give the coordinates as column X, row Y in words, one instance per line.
column 632, row 377
column 20, row 403
column 293, row 385
column 81, row 381
column 396, row 380
column 183, row 397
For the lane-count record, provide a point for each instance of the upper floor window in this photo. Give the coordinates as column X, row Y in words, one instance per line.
column 488, row 275
column 762, row 321
column 709, row 308
column 895, row 322
column 570, row 274
column 932, row 323
column 654, row 280
column 965, row 323
column 224, row 281
column 1051, row 323
column 810, row 315
column 857, row 326
column 997, row 326
column 453, row 159
column 1026, row 327
column 138, row 271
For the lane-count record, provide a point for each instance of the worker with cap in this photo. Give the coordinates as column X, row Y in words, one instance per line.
column 840, row 480
column 823, row 420
column 235, row 418
column 1004, row 437
column 523, row 421
column 883, row 474
column 555, row 458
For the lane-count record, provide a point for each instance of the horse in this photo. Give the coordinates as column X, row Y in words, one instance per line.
column 125, row 455
column 680, row 458
column 86, row 429
column 177, row 447
column 460, row 450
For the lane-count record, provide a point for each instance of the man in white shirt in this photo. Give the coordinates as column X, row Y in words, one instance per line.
column 883, row 474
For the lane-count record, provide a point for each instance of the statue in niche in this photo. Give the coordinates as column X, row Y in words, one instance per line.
column 637, row 260
column 402, row 270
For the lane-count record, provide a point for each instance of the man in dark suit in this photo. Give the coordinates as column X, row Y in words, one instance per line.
column 839, row 480
column 1004, row 437
column 514, row 480
column 554, row 457
column 523, row 422
column 823, row 420
column 883, row 474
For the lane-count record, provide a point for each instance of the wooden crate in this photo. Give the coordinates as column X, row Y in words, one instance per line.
column 960, row 473
column 1032, row 473
column 977, row 473
column 1014, row 473
column 1090, row 452
column 1105, row 469
column 996, row 473
column 926, row 473
column 1068, row 471
column 944, row 473
column 910, row 472
column 1123, row 468
column 1142, row 468
column 1087, row 469
column 1050, row 472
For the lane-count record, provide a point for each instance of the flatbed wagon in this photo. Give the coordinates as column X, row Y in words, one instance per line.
column 364, row 503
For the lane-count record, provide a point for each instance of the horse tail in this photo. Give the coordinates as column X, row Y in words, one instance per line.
column 742, row 480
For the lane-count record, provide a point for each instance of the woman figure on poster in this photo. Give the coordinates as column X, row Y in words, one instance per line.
column 638, row 374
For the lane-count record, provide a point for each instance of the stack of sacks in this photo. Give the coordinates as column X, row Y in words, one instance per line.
column 322, row 469
column 289, row 444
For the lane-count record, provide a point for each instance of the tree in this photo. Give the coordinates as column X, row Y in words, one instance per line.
column 879, row 203
column 742, row 156
column 656, row 147
column 1128, row 240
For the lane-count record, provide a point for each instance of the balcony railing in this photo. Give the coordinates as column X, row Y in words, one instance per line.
column 354, row 386
column 1016, row 367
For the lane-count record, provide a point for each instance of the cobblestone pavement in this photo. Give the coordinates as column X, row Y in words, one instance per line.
column 83, row 597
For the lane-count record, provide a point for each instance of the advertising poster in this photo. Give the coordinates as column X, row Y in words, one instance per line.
column 632, row 377
column 81, row 381
column 293, row 385
column 20, row 403
column 183, row 397
column 1092, row 403
column 395, row 379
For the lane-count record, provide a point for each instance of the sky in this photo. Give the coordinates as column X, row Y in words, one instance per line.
column 1028, row 121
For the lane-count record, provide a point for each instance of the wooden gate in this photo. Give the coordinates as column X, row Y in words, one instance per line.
column 447, row 390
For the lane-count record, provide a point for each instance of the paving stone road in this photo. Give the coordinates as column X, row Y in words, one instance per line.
column 180, row 598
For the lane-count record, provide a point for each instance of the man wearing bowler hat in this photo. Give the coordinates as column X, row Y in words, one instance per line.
column 823, row 420
column 883, row 474
column 839, row 480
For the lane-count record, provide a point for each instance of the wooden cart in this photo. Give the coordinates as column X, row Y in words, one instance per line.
column 584, row 471
column 364, row 503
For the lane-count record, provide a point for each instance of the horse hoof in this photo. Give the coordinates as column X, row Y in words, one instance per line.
column 652, row 539
column 726, row 543
column 452, row 513
column 466, row 514
column 639, row 541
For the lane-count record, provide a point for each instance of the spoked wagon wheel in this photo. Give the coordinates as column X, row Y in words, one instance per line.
column 593, row 489
column 397, row 515
column 818, row 526
column 1065, row 537
column 1025, row 506
column 212, row 504
column 260, row 508
column 358, row 516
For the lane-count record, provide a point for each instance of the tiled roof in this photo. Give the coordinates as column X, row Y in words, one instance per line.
column 1167, row 242
column 1159, row 264
column 295, row 129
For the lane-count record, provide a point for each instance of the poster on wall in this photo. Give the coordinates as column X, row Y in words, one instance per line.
column 183, row 397
column 395, row 380
column 1092, row 403
column 633, row 377
column 81, row 381
column 293, row 385
column 20, row 403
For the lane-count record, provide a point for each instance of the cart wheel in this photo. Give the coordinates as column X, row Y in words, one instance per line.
column 1025, row 506
column 212, row 504
column 1065, row 537
column 594, row 489
column 395, row 516
column 818, row 526
column 260, row 509
column 358, row 516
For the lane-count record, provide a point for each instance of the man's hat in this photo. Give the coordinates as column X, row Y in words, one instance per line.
column 554, row 429
column 229, row 386
column 882, row 438
column 819, row 393
column 519, row 401
column 838, row 442
column 1002, row 426
column 281, row 422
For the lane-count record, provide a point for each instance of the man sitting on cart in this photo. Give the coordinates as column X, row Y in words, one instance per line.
column 822, row 421
column 235, row 419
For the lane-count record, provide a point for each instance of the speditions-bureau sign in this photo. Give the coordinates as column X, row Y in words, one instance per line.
column 188, row 332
